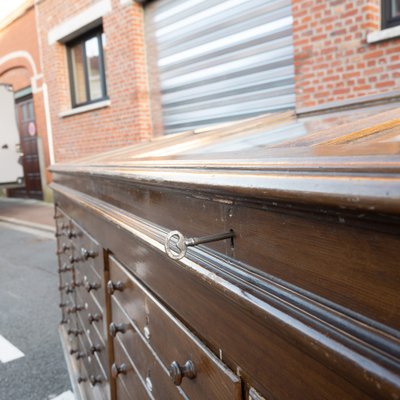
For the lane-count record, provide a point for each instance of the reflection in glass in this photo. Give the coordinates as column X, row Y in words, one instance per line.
column 93, row 66
column 395, row 8
column 78, row 72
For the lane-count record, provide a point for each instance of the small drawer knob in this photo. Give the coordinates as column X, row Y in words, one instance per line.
column 94, row 318
column 75, row 332
column 177, row 373
column 117, row 369
column 86, row 254
column 115, row 328
column 73, row 259
column 95, row 379
column 113, row 286
column 69, row 289
column 81, row 379
column 65, row 268
column 92, row 286
column 73, row 351
column 80, row 355
column 95, row 349
column 71, row 234
column 63, row 249
column 75, row 309
column 62, row 305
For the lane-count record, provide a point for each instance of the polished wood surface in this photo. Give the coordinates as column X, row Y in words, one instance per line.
column 303, row 304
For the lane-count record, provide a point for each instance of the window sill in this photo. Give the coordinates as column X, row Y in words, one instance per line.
column 83, row 109
column 384, row 34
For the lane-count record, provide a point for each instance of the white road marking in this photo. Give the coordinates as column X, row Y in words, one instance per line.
column 8, row 352
column 65, row 396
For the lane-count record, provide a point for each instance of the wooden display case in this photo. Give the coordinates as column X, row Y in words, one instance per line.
column 294, row 296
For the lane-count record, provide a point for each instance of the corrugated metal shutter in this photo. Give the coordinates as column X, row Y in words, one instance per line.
column 220, row 60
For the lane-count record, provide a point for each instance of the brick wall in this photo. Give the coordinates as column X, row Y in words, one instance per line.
column 333, row 61
column 19, row 47
column 127, row 119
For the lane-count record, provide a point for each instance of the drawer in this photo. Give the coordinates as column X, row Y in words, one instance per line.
column 90, row 361
column 66, row 301
column 150, row 370
column 91, row 282
column 71, row 342
column 129, row 384
column 172, row 341
column 90, row 392
column 85, row 247
column 98, row 328
column 97, row 346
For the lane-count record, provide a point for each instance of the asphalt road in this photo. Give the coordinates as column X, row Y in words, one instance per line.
column 29, row 316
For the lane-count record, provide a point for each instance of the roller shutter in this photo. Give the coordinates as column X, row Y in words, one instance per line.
column 214, row 61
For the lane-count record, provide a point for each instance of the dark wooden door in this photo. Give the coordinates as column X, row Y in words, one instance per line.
column 29, row 148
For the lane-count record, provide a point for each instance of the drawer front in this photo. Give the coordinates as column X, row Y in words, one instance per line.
column 97, row 347
column 173, row 343
column 91, row 282
column 150, row 370
column 128, row 383
column 93, row 318
column 91, row 361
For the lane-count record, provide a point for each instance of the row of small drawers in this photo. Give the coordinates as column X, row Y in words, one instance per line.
column 82, row 303
column 154, row 355
column 150, row 343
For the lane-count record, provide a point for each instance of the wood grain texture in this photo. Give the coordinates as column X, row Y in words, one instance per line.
column 303, row 304
column 155, row 273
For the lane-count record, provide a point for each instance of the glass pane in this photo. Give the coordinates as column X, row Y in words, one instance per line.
column 395, row 8
column 93, row 64
column 78, row 72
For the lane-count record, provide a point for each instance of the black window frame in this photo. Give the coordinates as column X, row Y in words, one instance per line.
column 94, row 33
column 387, row 21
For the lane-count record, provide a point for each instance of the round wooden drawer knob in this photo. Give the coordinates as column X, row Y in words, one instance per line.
column 75, row 309
column 80, row 355
column 95, row 349
column 177, row 373
column 115, row 328
column 65, row 268
column 95, row 379
column 86, row 254
column 92, row 286
column 71, row 234
column 94, row 318
column 113, row 286
column 117, row 369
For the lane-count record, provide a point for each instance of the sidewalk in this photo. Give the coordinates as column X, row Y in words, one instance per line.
column 27, row 212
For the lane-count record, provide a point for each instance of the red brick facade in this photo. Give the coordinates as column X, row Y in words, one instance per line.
column 127, row 119
column 333, row 61
column 20, row 67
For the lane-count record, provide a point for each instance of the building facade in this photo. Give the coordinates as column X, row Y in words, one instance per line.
column 175, row 65
column 120, row 71
column 20, row 67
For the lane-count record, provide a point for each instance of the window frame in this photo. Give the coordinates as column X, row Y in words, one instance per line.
column 387, row 21
column 81, row 39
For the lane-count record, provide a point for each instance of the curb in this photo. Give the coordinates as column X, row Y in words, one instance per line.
column 16, row 221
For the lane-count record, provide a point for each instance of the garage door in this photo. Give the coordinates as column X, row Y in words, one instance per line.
column 214, row 61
